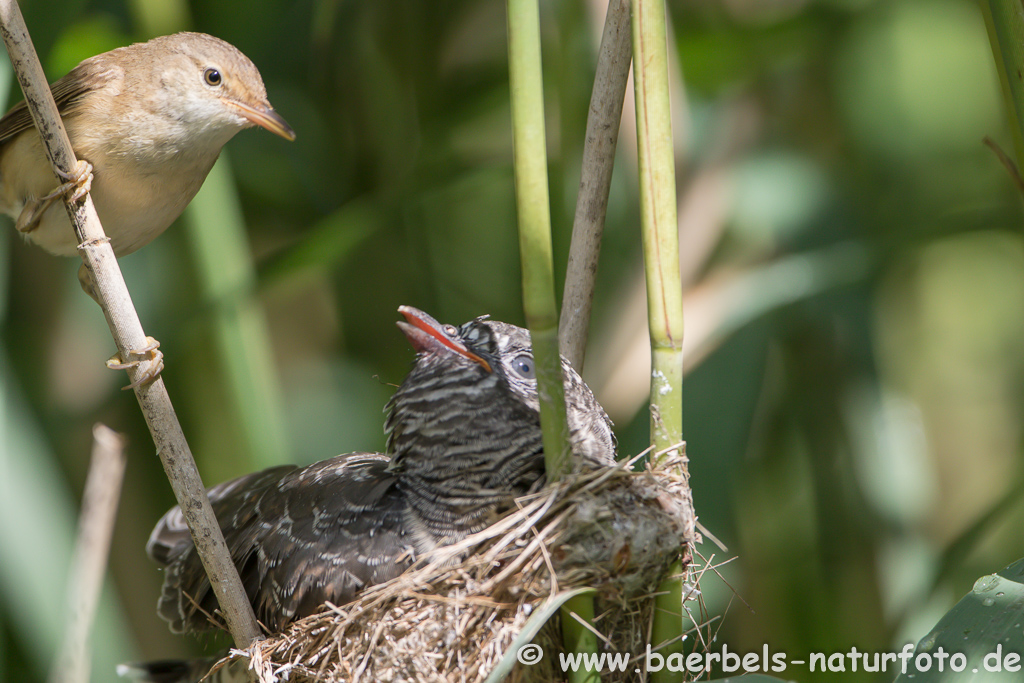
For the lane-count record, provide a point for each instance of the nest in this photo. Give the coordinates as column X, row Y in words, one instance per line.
column 455, row 615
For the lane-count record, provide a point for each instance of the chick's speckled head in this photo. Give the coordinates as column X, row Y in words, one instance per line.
column 469, row 377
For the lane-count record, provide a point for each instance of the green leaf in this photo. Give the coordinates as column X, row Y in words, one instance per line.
column 227, row 280
column 980, row 639
column 531, row 629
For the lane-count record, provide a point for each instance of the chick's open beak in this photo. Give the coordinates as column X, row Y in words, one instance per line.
column 427, row 335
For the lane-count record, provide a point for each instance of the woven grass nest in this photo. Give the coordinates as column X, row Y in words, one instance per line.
column 454, row 615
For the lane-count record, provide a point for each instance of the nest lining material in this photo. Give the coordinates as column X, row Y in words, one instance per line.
column 455, row 614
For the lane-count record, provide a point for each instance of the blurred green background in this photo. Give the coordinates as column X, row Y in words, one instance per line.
column 855, row 286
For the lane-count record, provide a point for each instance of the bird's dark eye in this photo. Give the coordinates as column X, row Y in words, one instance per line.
column 523, row 365
column 451, row 330
column 212, row 77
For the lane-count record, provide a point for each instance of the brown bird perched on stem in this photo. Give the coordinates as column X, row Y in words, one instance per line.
column 463, row 438
column 147, row 122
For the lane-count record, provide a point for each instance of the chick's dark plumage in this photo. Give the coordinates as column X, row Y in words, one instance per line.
column 463, row 439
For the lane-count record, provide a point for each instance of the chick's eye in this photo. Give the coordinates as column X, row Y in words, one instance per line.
column 523, row 365
column 212, row 77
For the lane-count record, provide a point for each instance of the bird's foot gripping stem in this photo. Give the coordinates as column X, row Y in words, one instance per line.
column 150, row 353
column 79, row 182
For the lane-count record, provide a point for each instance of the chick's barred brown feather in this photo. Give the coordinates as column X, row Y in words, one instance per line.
column 463, row 439
column 298, row 537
